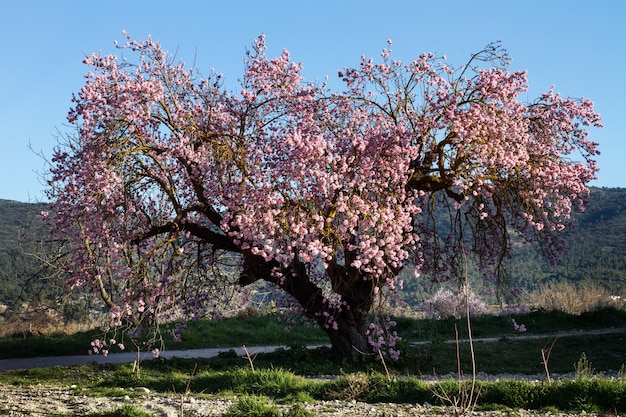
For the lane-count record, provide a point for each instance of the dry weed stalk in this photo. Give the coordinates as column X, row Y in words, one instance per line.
column 545, row 357
column 466, row 397
column 185, row 394
column 250, row 358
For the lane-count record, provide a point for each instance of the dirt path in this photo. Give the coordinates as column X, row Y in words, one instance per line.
column 567, row 333
column 128, row 357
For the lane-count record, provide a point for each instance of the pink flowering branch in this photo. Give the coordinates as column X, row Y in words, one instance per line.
column 174, row 190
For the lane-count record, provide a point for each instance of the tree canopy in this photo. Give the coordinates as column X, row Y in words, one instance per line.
column 173, row 185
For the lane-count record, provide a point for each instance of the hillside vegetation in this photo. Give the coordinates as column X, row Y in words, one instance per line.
column 20, row 230
column 596, row 252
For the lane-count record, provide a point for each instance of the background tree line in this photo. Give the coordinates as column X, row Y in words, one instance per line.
column 595, row 254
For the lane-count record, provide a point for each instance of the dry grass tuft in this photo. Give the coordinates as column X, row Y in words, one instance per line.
column 574, row 298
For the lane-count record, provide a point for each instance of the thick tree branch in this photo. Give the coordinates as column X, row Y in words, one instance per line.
column 217, row 240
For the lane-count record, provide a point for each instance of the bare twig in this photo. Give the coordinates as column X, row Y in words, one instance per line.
column 250, row 359
column 185, row 393
column 545, row 357
column 382, row 359
column 466, row 398
column 472, row 400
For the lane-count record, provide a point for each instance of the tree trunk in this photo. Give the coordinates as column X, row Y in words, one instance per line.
column 357, row 294
column 350, row 336
column 346, row 327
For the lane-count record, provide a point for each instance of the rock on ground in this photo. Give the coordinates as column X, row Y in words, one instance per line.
column 41, row 401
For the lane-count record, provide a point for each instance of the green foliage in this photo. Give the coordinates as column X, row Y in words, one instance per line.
column 596, row 250
column 364, row 378
column 275, row 383
column 514, row 394
column 587, row 394
column 517, row 355
column 266, row 330
column 53, row 344
column 583, row 368
column 424, row 347
column 377, row 388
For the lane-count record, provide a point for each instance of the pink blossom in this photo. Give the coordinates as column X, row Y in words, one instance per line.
column 518, row 327
column 171, row 174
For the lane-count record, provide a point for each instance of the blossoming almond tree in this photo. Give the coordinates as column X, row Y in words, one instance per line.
column 172, row 185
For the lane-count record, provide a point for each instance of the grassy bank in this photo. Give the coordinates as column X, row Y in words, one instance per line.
column 280, row 386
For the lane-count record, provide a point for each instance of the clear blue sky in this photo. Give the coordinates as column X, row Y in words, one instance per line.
column 577, row 46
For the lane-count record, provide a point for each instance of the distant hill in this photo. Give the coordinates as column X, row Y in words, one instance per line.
column 20, row 225
column 597, row 252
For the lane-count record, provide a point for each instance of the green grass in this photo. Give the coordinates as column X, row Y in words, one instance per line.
column 593, row 395
column 256, row 331
column 279, row 377
column 267, row 330
column 56, row 344
column 537, row 322
column 258, row 392
column 253, row 406
column 261, row 406
column 270, row 330
column 508, row 354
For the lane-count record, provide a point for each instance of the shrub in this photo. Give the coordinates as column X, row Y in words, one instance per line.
column 513, row 394
column 587, row 394
column 580, row 394
column 446, row 304
column 277, row 383
column 274, row 383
